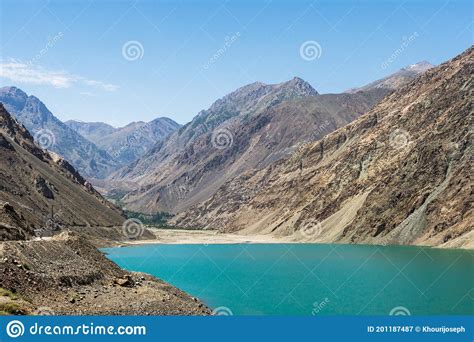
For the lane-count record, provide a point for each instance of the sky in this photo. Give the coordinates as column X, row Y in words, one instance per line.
column 124, row 61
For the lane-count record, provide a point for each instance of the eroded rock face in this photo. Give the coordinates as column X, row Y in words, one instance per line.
column 4, row 143
column 12, row 225
column 399, row 174
column 43, row 187
column 35, row 181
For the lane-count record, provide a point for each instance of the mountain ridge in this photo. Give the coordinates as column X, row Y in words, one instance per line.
column 37, row 184
column 255, row 122
column 398, row 78
column 129, row 142
column 398, row 174
column 55, row 135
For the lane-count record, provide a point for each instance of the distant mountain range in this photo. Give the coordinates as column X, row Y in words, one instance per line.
column 256, row 125
column 95, row 149
column 127, row 143
column 161, row 166
column 38, row 186
column 54, row 135
column 399, row 174
column 387, row 163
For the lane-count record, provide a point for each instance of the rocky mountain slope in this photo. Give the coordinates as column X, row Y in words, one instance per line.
column 66, row 275
column 127, row 143
column 401, row 173
column 247, row 129
column 54, row 135
column 397, row 79
column 35, row 183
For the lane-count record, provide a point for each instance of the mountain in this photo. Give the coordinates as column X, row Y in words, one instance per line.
column 397, row 79
column 36, row 183
column 247, row 129
column 65, row 274
column 54, row 135
column 92, row 131
column 127, row 143
column 399, row 174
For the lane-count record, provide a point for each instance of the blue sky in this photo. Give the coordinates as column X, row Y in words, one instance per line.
column 73, row 54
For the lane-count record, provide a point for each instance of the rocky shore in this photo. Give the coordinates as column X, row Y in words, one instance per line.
column 67, row 275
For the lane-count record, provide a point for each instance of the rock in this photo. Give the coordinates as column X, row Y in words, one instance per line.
column 124, row 282
column 5, row 143
column 43, row 187
column 8, row 207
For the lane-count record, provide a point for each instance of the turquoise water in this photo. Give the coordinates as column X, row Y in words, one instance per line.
column 311, row 279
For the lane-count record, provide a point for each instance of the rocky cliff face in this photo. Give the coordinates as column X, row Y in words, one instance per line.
column 39, row 188
column 399, row 174
column 128, row 143
column 54, row 135
column 247, row 129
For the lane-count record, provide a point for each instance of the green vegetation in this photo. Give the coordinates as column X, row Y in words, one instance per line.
column 10, row 308
column 6, row 293
column 116, row 195
column 158, row 219
column 11, row 304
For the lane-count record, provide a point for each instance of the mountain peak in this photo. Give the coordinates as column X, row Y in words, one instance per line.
column 16, row 97
column 301, row 86
column 13, row 90
column 419, row 67
column 297, row 79
column 431, row 136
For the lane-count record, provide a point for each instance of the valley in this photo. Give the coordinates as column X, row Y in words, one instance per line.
column 267, row 166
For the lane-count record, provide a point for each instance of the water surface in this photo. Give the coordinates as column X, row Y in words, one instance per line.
column 312, row 279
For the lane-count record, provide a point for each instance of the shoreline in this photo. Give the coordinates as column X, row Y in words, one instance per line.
column 165, row 236
column 68, row 275
column 194, row 237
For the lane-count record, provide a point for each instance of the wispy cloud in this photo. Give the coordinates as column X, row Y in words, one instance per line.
column 28, row 73
column 87, row 93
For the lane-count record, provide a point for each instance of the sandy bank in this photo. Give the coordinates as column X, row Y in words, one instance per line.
column 181, row 236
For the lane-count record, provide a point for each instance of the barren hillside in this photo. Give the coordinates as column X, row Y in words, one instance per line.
column 399, row 174
column 37, row 186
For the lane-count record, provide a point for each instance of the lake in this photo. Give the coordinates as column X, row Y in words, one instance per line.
column 312, row 279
